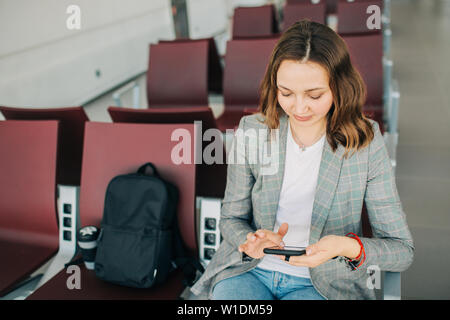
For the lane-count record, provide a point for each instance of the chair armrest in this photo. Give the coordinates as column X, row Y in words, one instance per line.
column 386, row 16
column 391, row 141
column 391, row 286
column 133, row 85
column 387, row 36
column 387, row 86
column 394, row 107
column 69, row 223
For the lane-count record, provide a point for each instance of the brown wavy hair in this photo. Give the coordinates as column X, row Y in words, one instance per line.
column 315, row 42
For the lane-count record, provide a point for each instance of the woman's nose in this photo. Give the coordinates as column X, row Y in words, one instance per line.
column 301, row 106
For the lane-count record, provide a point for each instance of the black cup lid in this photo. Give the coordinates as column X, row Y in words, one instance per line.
column 88, row 233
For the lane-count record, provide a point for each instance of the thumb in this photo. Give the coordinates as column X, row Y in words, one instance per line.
column 311, row 249
column 283, row 229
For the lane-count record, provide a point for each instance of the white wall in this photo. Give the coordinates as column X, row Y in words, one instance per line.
column 43, row 63
column 206, row 18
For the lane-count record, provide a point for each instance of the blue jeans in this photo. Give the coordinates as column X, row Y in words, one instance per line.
column 261, row 284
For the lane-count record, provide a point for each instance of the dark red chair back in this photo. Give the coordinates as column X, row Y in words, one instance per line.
column 353, row 16
column 164, row 115
column 366, row 53
column 215, row 70
column 28, row 219
column 254, row 22
column 331, row 6
column 294, row 12
column 178, row 74
column 245, row 64
column 250, row 111
column 71, row 134
column 211, row 179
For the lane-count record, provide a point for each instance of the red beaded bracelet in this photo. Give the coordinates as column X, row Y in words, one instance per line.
column 361, row 252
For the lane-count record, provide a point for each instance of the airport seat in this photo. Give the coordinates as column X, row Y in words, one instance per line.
column 111, row 149
column 211, row 179
column 352, row 16
column 177, row 74
column 293, row 12
column 229, row 119
column 254, row 22
column 164, row 115
column 28, row 220
column 245, row 65
column 366, row 52
column 70, row 141
column 250, row 111
column 215, row 71
column 331, row 5
column 352, row 21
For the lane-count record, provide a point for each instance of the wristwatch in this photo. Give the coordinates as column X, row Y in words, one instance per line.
column 246, row 258
column 352, row 264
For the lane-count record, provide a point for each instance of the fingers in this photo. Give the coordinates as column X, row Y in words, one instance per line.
column 250, row 243
column 251, row 237
column 268, row 238
column 276, row 238
column 311, row 249
column 283, row 229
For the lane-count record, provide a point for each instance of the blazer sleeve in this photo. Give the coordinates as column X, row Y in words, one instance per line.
column 391, row 247
column 236, row 212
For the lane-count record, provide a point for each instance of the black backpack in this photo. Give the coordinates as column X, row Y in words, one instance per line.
column 139, row 243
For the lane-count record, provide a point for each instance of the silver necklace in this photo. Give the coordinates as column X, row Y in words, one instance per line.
column 303, row 146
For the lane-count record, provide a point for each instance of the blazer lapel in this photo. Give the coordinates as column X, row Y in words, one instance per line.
column 272, row 182
column 329, row 172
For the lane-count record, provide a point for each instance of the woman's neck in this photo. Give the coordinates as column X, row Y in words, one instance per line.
column 307, row 136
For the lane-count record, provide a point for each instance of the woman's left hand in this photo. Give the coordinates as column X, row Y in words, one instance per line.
column 327, row 248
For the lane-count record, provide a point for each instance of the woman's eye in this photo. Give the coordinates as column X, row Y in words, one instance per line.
column 315, row 97
column 285, row 94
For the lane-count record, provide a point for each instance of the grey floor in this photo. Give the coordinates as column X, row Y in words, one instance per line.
column 420, row 51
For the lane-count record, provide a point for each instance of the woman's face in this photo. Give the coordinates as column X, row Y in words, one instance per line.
column 304, row 92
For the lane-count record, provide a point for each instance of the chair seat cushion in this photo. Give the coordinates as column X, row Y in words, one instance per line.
column 19, row 260
column 92, row 288
column 230, row 119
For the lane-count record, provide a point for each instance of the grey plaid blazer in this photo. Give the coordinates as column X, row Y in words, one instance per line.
column 251, row 202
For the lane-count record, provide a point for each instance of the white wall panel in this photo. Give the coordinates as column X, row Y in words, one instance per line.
column 206, row 18
column 43, row 63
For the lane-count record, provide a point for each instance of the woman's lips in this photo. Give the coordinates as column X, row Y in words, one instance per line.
column 302, row 118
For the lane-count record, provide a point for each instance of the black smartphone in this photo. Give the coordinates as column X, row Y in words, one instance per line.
column 285, row 251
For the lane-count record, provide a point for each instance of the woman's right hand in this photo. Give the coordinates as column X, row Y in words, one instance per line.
column 257, row 241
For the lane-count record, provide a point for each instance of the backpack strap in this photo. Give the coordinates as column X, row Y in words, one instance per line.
column 74, row 262
column 143, row 169
column 188, row 264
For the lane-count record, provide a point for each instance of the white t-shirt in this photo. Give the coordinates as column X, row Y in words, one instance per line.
column 296, row 201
